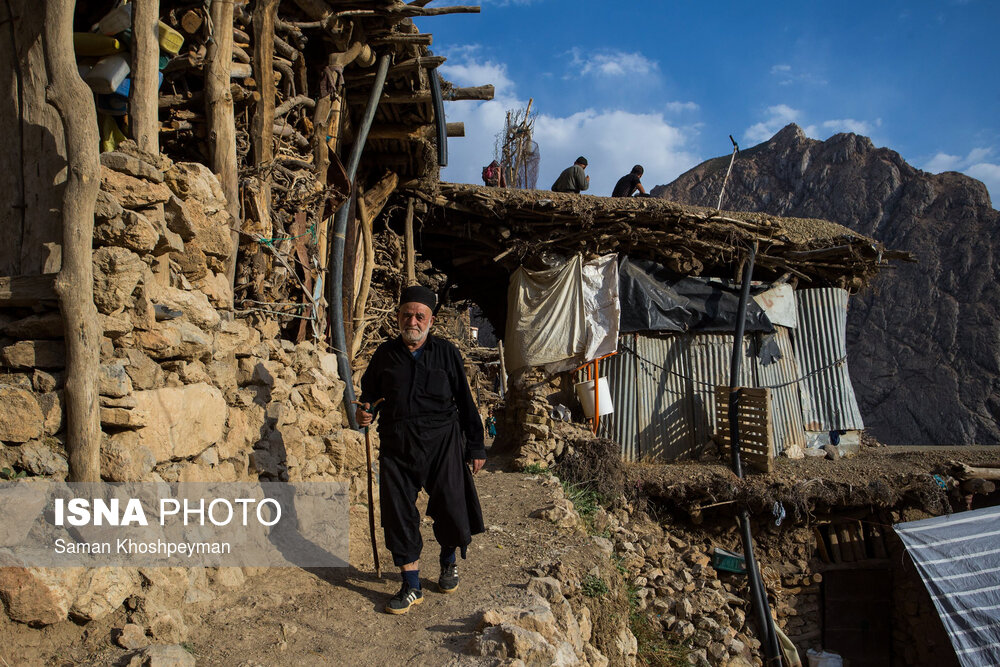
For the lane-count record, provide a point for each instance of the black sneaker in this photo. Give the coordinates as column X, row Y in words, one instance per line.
column 401, row 602
column 448, row 581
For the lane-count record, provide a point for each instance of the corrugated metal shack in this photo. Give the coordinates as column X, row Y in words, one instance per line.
column 663, row 378
column 663, row 386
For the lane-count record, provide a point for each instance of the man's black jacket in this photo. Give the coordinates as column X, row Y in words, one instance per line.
column 422, row 393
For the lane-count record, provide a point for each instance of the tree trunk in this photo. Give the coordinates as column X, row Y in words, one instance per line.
column 75, row 282
column 221, row 119
column 144, row 107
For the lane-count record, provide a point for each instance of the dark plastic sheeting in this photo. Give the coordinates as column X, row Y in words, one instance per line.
column 653, row 299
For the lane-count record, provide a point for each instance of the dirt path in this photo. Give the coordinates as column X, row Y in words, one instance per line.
column 335, row 616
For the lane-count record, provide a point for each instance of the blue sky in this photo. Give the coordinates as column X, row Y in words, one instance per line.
column 664, row 83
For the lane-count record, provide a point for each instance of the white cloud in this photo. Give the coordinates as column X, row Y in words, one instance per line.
column 778, row 116
column 610, row 62
column 974, row 164
column 942, row 162
column 679, row 107
column 787, row 75
column 612, row 140
column 989, row 174
column 832, row 127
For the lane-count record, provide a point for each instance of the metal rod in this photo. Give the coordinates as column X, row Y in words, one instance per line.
column 736, row 149
column 442, row 127
column 758, row 594
column 338, row 241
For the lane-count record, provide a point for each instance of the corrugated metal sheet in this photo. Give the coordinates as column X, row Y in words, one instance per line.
column 710, row 359
column 828, row 400
column 620, row 425
column 786, row 407
column 664, row 399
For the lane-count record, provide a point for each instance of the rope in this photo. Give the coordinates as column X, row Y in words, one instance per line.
column 277, row 239
column 834, row 364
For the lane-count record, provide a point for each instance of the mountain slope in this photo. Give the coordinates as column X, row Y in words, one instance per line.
column 924, row 339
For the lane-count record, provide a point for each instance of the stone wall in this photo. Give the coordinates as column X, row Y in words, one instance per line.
column 188, row 391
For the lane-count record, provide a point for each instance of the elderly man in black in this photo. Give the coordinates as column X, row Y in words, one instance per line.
column 429, row 429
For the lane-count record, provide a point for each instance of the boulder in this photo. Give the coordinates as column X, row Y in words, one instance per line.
column 183, row 421
column 178, row 219
column 112, row 380
column 159, row 655
column 192, row 181
column 44, row 458
column 515, row 643
column 132, row 637
column 116, row 326
column 235, row 337
column 133, row 166
column 43, row 382
column 117, row 271
column 141, row 370
column 21, row 417
column 39, row 595
column 217, row 288
column 102, row 591
column 123, row 418
column 45, row 325
column 53, row 415
column 175, row 339
column 132, row 192
column 237, row 434
column 125, row 459
column 106, row 207
column 132, row 230
column 192, row 263
column 32, row 354
column 194, row 305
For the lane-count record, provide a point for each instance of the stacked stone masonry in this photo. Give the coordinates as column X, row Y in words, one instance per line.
column 188, row 392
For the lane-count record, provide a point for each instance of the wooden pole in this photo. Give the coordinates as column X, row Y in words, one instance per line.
column 221, row 119
column 410, row 261
column 264, row 14
column 144, row 91
column 361, row 302
column 75, row 281
column 503, row 369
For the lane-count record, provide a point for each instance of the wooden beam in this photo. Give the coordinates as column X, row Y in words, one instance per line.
column 74, row 283
column 424, row 39
column 143, row 109
column 455, row 129
column 410, row 260
column 405, row 67
column 222, row 122
column 17, row 291
column 376, row 197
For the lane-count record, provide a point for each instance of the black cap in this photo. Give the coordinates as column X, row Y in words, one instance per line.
column 418, row 294
column 581, row 160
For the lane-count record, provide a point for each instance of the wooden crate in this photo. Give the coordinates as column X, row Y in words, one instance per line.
column 756, row 428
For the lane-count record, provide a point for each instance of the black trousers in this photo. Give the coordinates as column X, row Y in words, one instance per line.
column 433, row 459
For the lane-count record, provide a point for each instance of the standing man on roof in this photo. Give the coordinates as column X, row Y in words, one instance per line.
column 429, row 429
column 629, row 183
column 573, row 179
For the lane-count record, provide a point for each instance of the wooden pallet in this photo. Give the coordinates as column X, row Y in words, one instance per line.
column 756, row 428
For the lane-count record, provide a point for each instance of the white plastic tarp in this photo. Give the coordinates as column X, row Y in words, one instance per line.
column 958, row 557
column 778, row 303
column 562, row 317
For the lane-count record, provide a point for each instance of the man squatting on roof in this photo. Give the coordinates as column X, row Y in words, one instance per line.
column 573, row 178
column 429, row 429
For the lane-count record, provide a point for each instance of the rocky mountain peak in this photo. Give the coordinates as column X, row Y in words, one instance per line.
column 924, row 340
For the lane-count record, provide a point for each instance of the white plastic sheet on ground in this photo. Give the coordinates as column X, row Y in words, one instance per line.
column 562, row 317
column 958, row 557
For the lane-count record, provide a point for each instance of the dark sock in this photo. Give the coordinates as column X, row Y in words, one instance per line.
column 412, row 577
column 447, row 556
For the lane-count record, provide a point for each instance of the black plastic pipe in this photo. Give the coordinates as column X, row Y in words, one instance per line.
column 339, row 239
column 442, row 125
column 758, row 595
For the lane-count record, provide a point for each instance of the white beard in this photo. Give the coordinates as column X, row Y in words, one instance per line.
column 411, row 337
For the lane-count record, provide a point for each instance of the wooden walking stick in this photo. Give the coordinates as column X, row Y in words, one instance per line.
column 371, row 485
